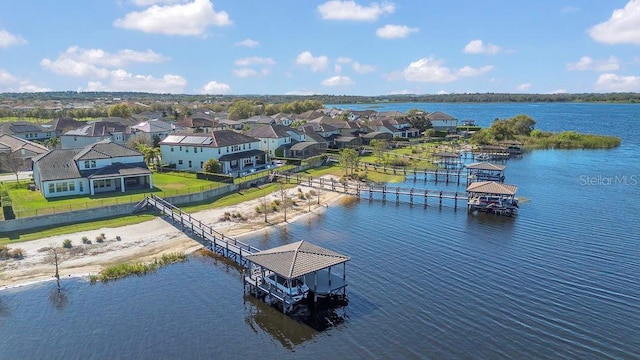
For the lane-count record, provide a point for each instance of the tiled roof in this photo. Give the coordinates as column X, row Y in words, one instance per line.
column 13, row 143
column 105, row 150
column 492, row 187
column 270, row 131
column 297, row 259
column 215, row 139
column 486, row 166
column 439, row 115
column 58, row 165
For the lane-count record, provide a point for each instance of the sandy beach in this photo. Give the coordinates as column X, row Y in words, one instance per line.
column 145, row 241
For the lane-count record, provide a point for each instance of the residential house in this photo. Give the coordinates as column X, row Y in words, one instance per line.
column 62, row 125
column 93, row 132
column 27, row 130
column 328, row 132
column 236, row 152
column 101, row 167
column 24, row 149
column 443, row 122
column 275, row 139
column 154, row 129
column 284, row 119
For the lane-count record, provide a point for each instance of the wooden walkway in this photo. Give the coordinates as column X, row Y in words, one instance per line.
column 379, row 192
column 438, row 175
column 213, row 240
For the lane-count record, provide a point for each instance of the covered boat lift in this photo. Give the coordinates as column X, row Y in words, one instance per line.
column 485, row 171
column 493, row 197
column 300, row 261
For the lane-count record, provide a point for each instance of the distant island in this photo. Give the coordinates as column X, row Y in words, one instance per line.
column 520, row 130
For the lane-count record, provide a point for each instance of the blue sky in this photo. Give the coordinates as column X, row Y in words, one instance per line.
column 320, row 47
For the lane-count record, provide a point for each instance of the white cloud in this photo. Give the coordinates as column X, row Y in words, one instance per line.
column 621, row 28
column 8, row 39
column 395, row 31
column 524, row 87
column 614, row 82
column 337, row 81
column 478, row 47
column 588, row 64
column 314, row 63
column 6, row 77
column 216, row 88
column 255, row 61
column 93, row 63
column 75, row 68
column 190, row 19
column 245, row 73
column 145, row 3
column 432, row 70
column 248, row 43
column 350, row 10
column 362, row 68
column 337, row 68
column 443, row 92
column 468, row 71
column 121, row 80
column 558, row 91
column 344, row 60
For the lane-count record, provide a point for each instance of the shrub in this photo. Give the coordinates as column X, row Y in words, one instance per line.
column 85, row 240
column 100, row 238
column 16, row 253
column 66, row 244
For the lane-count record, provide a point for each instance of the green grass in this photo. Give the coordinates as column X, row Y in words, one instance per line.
column 55, row 230
column 569, row 140
column 235, row 198
column 123, row 270
column 32, row 203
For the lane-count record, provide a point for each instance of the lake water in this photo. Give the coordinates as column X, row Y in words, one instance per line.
column 558, row 281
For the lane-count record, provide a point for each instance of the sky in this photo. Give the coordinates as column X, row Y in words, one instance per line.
column 276, row 47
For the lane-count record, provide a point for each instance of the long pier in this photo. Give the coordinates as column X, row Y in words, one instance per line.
column 372, row 191
column 209, row 237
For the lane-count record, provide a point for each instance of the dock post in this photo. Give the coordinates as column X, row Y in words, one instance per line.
column 426, row 198
column 384, row 193
column 397, row 194
column 458, row 176
column 441, row 198
column 455, row 201
column 411, row 196
column 436, row 173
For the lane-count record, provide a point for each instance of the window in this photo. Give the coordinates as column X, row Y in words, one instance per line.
column 189, row 163
column 75, row 138
column 244, row 146
column 195, row 149
column 180, row 148
column 52, row 188
column 201, row 164
column 179, row 162
column 218, row 151
column 171, row 148
column 89, row 164
column 72, row 186
column 81, row 186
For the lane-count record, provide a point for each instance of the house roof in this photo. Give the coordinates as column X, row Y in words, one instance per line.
column 376, row 135
column 20, row 127
column 439, row 115
column 214, row 139
column 105, row 149
column 57, row 165
column 297, row 259
column 118, row 169
column 99, row 128
column 64, row 124
column 486, row 166
column 274, row 131
column 305, row 144
column 10, row 143
column 259, row 119
column 446, row 154
column 153, row 126
column 311, row 134
column 492, row 187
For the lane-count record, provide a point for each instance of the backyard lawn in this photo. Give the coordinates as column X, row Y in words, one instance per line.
column 31, row 203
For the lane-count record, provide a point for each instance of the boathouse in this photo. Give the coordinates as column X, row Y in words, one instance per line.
column 282, row 272
column 484, row 171
column 492, row 197
column 448, row 160
column 513, row 147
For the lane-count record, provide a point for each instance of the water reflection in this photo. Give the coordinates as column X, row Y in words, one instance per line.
column 58, row 298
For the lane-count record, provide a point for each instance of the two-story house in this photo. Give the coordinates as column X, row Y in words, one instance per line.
column 23, row 149
column 276, row 140
column 233, row 150
column 443, row 122
column 100, row 167
column 26, row 130
column 93, row 132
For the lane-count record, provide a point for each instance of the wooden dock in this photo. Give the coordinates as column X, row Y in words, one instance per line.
column 213, row 240
column 412, row 196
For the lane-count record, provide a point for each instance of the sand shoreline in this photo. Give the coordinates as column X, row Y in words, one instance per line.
column 145, row 241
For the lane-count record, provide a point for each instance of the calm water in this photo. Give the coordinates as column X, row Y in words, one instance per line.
column 558, row 281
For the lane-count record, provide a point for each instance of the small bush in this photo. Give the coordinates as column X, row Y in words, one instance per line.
column 85, row 240
column 16, row 253
column 4, row 252
column 67, row 244
column 100, row 238
column 118, row 238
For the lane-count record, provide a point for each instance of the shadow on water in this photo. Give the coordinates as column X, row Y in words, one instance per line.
column 300, row 325
column 58, row 298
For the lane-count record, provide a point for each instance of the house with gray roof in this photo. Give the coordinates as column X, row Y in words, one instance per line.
column 24, row 149
column 275, row 139
column 93, row 132
column 97, row 168
column 26, row 130
column 443, row 122
column 236, row 152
